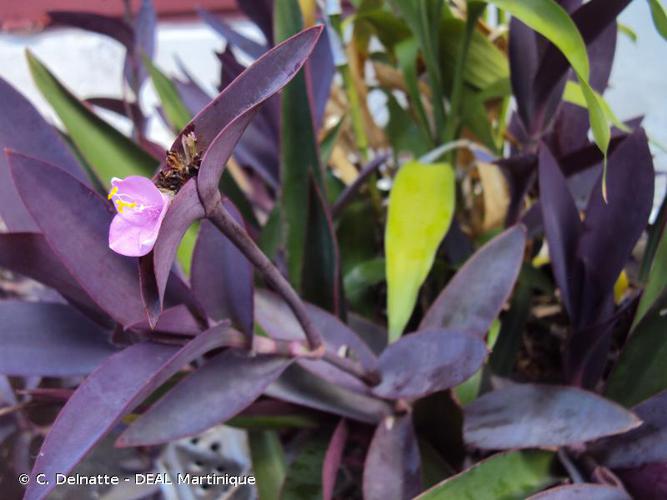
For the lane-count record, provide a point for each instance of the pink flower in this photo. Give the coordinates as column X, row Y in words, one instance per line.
column 141, row 208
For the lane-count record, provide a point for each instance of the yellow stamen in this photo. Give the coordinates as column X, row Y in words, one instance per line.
column 113, row 191
column 120, row 205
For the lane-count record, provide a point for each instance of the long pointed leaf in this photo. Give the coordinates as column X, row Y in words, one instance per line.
column 115, row 388
column 23, row 129
column 75, row 222
column 474, row 296
column 49, row 340
column 201, row 401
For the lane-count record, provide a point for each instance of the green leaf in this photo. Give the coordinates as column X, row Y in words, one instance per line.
column 507, row 476
column 363, row 276
column 304, row 476
column 403, row 132
column 421, row 208
column 268, row 463
column 468, row 391
column 657, row 281
column 659, row 17
column 329, row 141
column 640, row 372
column 627, row 31
column 406, row 52
column 306, row 230
column 553, row 22
column 176, row 111
column 485, row 63
column 423, row 17
column 110, row 153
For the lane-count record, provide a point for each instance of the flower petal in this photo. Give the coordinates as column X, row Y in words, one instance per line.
column 135, row 240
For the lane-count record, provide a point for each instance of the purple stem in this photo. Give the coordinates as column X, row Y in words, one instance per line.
column 273, row 276
column 350, row 191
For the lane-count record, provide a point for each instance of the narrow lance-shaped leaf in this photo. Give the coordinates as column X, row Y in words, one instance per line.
column 541, row 416
column 511, row 475
column 233, row 37
column 199, row 401
column 156, row 267
column 474, row 296
column 109, row 152
column 553, row 22
column 563, row 229
column 49, row 340
column 222, row 278
column 303, row 481
column 659, row 15
column 393, row 467
column 332, row 459
column 421, row 208
column 75, row 222
column 176, row 111
column 268, row 463
column 115, row 388
column 30, row 255
column 22, row 128
column 644, row 445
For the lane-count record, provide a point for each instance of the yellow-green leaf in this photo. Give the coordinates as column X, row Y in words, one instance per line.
column 554, row 23
column 176, row 111
column 516, row 474
column 421, row 207
column 110, row 153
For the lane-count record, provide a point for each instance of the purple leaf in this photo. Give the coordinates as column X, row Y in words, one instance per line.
column 332, row 460
column 222, row 278
column 233, row 37
column 592, row 19
column 261, row 13
column 49, row 340
column 393, row 467
column 563, row 229
column 474, row 296
column 30, row 255
column 648, row 482
column 216, row 392
column 523, row 56
column 192, row 95
column 221, row 123
column 112, row 27
column 115, row 388
column 612, row 229
column 427, row 361
column 75, row 222
column 143, row 30
column 539, row 416
column 582, row 492
column 183, row 211
column 299, row 387
column 647, row 444
column 23, row 129
column 177, row 320
column 320, row 71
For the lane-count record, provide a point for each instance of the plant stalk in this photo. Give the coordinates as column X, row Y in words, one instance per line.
column 273, row 276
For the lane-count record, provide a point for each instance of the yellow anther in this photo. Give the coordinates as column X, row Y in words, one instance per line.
column 113, row 191
column 120, row 205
